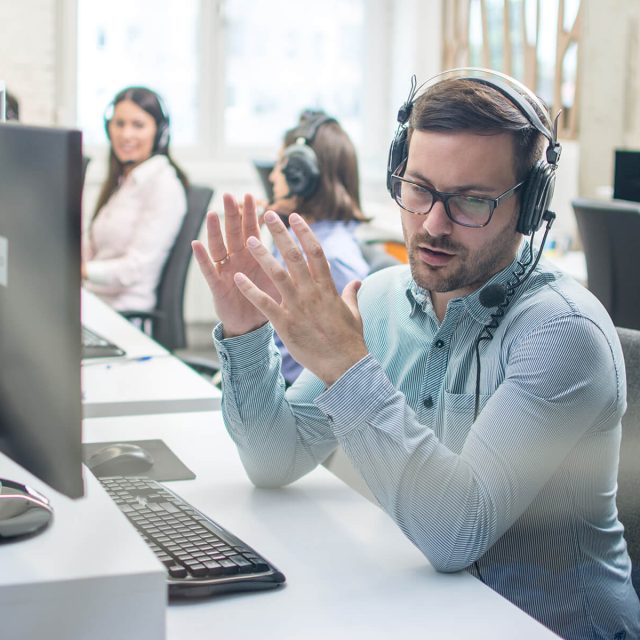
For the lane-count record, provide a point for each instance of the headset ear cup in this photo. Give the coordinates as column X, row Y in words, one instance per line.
column 301, row 170
column 397, row 154
column 536, row 197
column 162, row 138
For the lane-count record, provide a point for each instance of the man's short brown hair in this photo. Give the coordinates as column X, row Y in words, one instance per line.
column 462, row 104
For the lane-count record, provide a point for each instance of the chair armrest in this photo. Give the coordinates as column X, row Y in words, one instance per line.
column 207, row 368
column 144, row 316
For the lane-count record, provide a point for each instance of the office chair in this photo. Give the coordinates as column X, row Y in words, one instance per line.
column 628, row 498
column 166, row 323
column 609, row 232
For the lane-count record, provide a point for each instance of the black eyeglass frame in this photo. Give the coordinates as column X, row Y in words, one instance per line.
column 444, row 196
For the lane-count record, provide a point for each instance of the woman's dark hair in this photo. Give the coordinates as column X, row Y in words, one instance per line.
column 150, row 102
column 460, row 104
column 338, row 194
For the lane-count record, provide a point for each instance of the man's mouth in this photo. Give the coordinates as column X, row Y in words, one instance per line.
column 434, row 257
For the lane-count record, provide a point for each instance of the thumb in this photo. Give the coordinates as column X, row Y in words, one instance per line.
column 350, row 297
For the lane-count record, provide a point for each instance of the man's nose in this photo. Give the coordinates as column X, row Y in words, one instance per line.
column 437, row 222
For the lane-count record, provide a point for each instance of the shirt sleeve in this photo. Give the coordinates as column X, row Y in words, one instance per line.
column 280, row 437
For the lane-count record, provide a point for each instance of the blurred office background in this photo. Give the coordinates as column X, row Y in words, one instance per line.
column 236, row 73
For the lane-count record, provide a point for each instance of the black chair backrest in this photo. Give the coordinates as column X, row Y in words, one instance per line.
column 609, row 232
column 168, row 326
column 629, row 472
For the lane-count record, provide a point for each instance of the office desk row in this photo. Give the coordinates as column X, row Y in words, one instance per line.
column 350, row 572
column 147, row 380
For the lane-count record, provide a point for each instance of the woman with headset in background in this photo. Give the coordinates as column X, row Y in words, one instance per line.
column 316, row 176
column 140, row 207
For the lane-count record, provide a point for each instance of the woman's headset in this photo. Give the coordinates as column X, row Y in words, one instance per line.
column 163, row 129
column 538, row 188
column 300, row 163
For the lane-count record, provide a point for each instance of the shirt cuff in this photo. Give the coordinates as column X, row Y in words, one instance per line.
column 359, row 393
column 241, row 354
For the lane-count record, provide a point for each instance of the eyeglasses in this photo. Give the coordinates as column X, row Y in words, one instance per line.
column 468, row 211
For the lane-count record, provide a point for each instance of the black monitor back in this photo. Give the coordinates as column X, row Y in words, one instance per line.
column 40, row 396
column 626, row 177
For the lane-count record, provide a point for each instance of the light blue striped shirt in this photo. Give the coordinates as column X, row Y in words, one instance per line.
column 524, row 498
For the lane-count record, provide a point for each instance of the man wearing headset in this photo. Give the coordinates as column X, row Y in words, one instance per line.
column 478, row 394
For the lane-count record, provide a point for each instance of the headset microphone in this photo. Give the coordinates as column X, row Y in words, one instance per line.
column 493, row 296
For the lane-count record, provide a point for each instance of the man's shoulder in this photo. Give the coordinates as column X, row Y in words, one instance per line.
column 559, row 302
column 385, row 283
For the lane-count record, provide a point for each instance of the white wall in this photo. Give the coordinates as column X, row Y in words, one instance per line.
column 28, row 56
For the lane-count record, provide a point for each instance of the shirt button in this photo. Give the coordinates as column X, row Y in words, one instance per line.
column 439, row 344
column 428, row 402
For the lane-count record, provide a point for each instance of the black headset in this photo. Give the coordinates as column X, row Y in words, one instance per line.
column 163, row 128
column 300, row 166
column 538, row 188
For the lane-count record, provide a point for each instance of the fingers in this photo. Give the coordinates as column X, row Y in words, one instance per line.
column 204, row 262
column 258, row 298
column 318, row 266
column 215, row 241
column 289, row 250
column 232, row 225
column 250, row 223
column 268, row 263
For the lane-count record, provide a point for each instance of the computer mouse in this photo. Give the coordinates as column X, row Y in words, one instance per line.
column 120, row 459
column 23, row 510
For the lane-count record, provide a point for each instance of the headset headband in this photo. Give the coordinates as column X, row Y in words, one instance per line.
column 310, row 128
column 517, row 93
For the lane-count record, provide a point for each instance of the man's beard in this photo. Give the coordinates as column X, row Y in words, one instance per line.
column 470, row 271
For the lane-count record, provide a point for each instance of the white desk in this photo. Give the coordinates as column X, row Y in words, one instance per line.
column 147, row 380
column 101, row 318
column 154, row 385
column 350, row 572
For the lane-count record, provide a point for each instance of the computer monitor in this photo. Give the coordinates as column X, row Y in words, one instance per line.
column 40, row 396
column 626, row 177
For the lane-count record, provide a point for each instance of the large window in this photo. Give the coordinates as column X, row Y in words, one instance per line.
column 234, row 73
column 138, row 42
column 274, row 68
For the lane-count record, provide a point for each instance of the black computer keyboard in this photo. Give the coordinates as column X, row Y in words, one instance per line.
column 200, row 556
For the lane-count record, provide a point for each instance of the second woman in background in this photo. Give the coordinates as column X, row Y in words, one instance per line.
column 140, row 207
column 317, row 177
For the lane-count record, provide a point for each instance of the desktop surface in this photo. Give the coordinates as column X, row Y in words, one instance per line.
column 350, row 571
